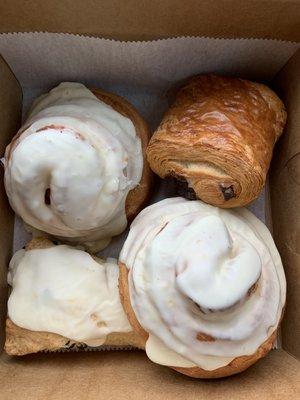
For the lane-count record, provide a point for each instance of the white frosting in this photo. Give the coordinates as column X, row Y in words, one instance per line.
column 197, row 269
column 86, row 153
column 66, row 291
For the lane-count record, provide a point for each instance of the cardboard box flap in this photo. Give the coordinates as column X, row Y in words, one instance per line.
column 287, row 85
column 285, row 195
column 117, row 376
column 147, row 20
column 10, row 116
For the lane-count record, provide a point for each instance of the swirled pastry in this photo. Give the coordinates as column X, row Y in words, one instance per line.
column 203, row 286
column 75, row 169
column 63, row 297
column 217, row 139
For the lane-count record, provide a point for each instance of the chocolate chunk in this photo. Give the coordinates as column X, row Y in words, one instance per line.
column 228, row 192
column 182, row 187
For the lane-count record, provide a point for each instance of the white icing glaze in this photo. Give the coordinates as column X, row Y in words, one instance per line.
column 86, row 153
column 66, row 291
column 191, row 268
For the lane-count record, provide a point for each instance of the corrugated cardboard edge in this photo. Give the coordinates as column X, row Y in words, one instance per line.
column 285, row 200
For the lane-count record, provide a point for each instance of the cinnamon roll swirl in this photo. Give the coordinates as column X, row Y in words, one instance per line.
column 203, row 286
column 76, row 168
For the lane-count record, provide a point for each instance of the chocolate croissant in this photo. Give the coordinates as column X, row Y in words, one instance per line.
column 217, row 139
column 63, row 298
column 204, row 287
column 77, row 169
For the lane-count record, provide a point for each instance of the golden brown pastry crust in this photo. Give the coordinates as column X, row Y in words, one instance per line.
column 218, row 136
column 138, row 196
column 20, row 341
column 125, row 300
column 237, row 365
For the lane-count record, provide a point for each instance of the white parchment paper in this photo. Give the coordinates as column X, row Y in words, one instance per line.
column 145, row 73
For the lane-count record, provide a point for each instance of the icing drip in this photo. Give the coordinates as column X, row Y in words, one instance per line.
column 66, row 291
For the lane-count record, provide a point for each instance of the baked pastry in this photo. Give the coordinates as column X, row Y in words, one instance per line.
column 217, row 139
column 63, row 298
column 203, row 286
column 76, row 168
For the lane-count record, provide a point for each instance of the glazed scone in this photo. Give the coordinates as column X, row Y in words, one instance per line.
column 63, row 297
column 217, row 139
column 203, row 286
column 76, row 169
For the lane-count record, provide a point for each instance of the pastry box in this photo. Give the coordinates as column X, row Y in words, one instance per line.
column 142, row 51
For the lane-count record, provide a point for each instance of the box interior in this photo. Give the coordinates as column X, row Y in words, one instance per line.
column 285, row 195
column 122, row 374
column 146, row 73
column 10, row 106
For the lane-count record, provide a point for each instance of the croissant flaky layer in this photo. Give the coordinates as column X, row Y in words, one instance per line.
column 218, row 137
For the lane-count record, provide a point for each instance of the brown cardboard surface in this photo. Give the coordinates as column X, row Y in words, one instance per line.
column 10, row 113
column 124, row 375
column 285, row 201
column 145, row 20
column 110, row 375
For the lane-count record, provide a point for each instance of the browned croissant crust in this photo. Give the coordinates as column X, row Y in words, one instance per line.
column 20, row 341
column 218, row 138
column 237, row 365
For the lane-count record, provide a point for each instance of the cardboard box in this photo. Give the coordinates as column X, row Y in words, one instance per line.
column 122, row 375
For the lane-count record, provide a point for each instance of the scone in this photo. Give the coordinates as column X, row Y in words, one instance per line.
column 76, row 169
column 204, row 287
column 61, row 298
column 217, row 138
